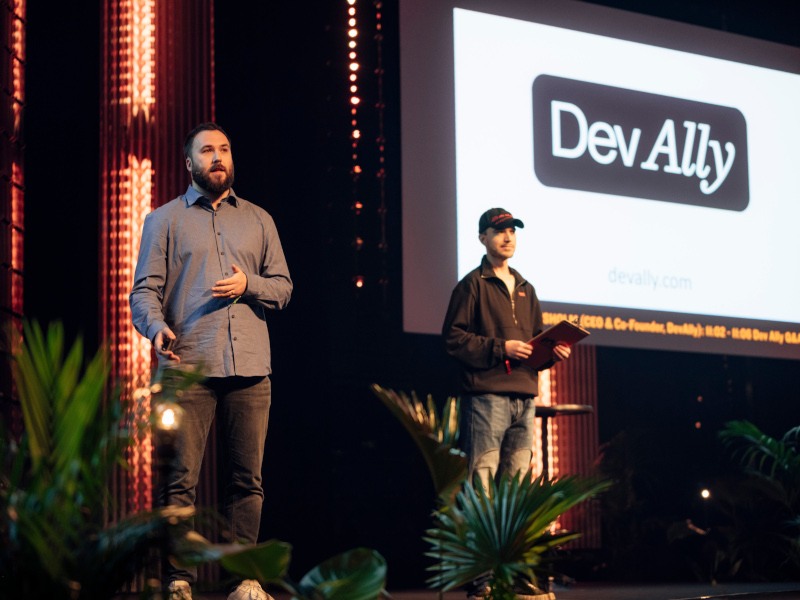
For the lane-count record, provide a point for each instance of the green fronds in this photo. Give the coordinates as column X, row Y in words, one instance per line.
column 54, row 492
column 775, row 459
column 435, row 435
column 504, row 531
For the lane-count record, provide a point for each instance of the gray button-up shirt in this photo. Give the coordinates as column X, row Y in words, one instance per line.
column 187, row 247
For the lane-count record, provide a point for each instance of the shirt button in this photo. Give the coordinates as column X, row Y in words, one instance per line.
column 233, row 316
column 226, row 272
column 219, row 233
column 222, row 253
column 234, row 339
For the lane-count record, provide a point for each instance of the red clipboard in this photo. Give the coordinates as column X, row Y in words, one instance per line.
column 564, row 332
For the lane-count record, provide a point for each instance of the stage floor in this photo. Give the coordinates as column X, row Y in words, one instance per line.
column 688, row 591
column 610, row 591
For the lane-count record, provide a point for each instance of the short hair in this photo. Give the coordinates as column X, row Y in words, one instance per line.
column 187, row 145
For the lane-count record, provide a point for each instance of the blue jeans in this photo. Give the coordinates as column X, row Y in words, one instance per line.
column 242, row 406
column 496, row 433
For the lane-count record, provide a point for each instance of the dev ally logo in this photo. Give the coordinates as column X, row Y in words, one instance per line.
column 611, row 140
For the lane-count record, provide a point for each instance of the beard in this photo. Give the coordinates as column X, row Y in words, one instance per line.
column 215, row 186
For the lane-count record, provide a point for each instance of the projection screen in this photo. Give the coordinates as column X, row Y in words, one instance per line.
column 656, row 166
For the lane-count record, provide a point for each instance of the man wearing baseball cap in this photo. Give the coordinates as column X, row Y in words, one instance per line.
column 493, row 312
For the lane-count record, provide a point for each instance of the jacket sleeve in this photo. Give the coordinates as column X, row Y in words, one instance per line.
column 271, row 286
column 147, row 294
column 460, row 332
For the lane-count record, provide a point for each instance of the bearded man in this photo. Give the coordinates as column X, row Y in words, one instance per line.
column 210, row 268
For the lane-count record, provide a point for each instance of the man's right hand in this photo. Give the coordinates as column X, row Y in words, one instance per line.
column 158, row 344
column 518, row 349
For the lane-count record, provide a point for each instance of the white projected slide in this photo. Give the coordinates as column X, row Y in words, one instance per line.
column 656, row 167
column 628, row 251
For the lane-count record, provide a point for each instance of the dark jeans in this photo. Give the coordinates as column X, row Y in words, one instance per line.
column 242, row 406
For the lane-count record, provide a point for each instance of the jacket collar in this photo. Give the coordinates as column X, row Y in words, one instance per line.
column 487, row 272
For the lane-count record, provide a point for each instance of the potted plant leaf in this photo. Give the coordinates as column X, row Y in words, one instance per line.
column 53, row 482
column 504, row 534
column 764, row 507
column 54, row 495
column 501, row 535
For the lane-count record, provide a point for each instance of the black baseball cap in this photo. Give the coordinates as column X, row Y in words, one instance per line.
column 498, row 218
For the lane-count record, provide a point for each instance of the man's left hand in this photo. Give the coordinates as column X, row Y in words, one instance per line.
column 561, row 352
column 232, row 287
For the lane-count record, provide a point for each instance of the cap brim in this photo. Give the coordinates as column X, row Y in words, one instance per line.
column 508, row 223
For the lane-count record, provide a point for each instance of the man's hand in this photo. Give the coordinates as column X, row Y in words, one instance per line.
column 518, row 349
column 233, row 287
column 561, row 352
column 158, row 343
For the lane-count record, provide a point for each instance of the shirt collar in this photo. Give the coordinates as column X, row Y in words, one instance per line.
column 192, row 196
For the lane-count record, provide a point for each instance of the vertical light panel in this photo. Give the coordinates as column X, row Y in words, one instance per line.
column 142, row 57
column 575, row 437
column 126, row 198
column 12, row 196
column 157, row 83
column 17, row 61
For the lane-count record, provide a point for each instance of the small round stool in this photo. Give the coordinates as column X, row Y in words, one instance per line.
column 549, row 412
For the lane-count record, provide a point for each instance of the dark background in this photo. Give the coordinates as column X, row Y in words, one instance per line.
column 340, row 472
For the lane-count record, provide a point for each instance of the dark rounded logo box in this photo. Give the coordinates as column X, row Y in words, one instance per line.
column 611, row 140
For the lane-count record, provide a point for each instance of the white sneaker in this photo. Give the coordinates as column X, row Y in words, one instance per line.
column 249, row 589
column 179, row 590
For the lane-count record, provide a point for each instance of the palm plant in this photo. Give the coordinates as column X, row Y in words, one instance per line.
column 501, row 535
column 53, row 494
column 435, row 435
column 53, row 484
column 504, row 531
column 777, row 460
column 772, row 499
